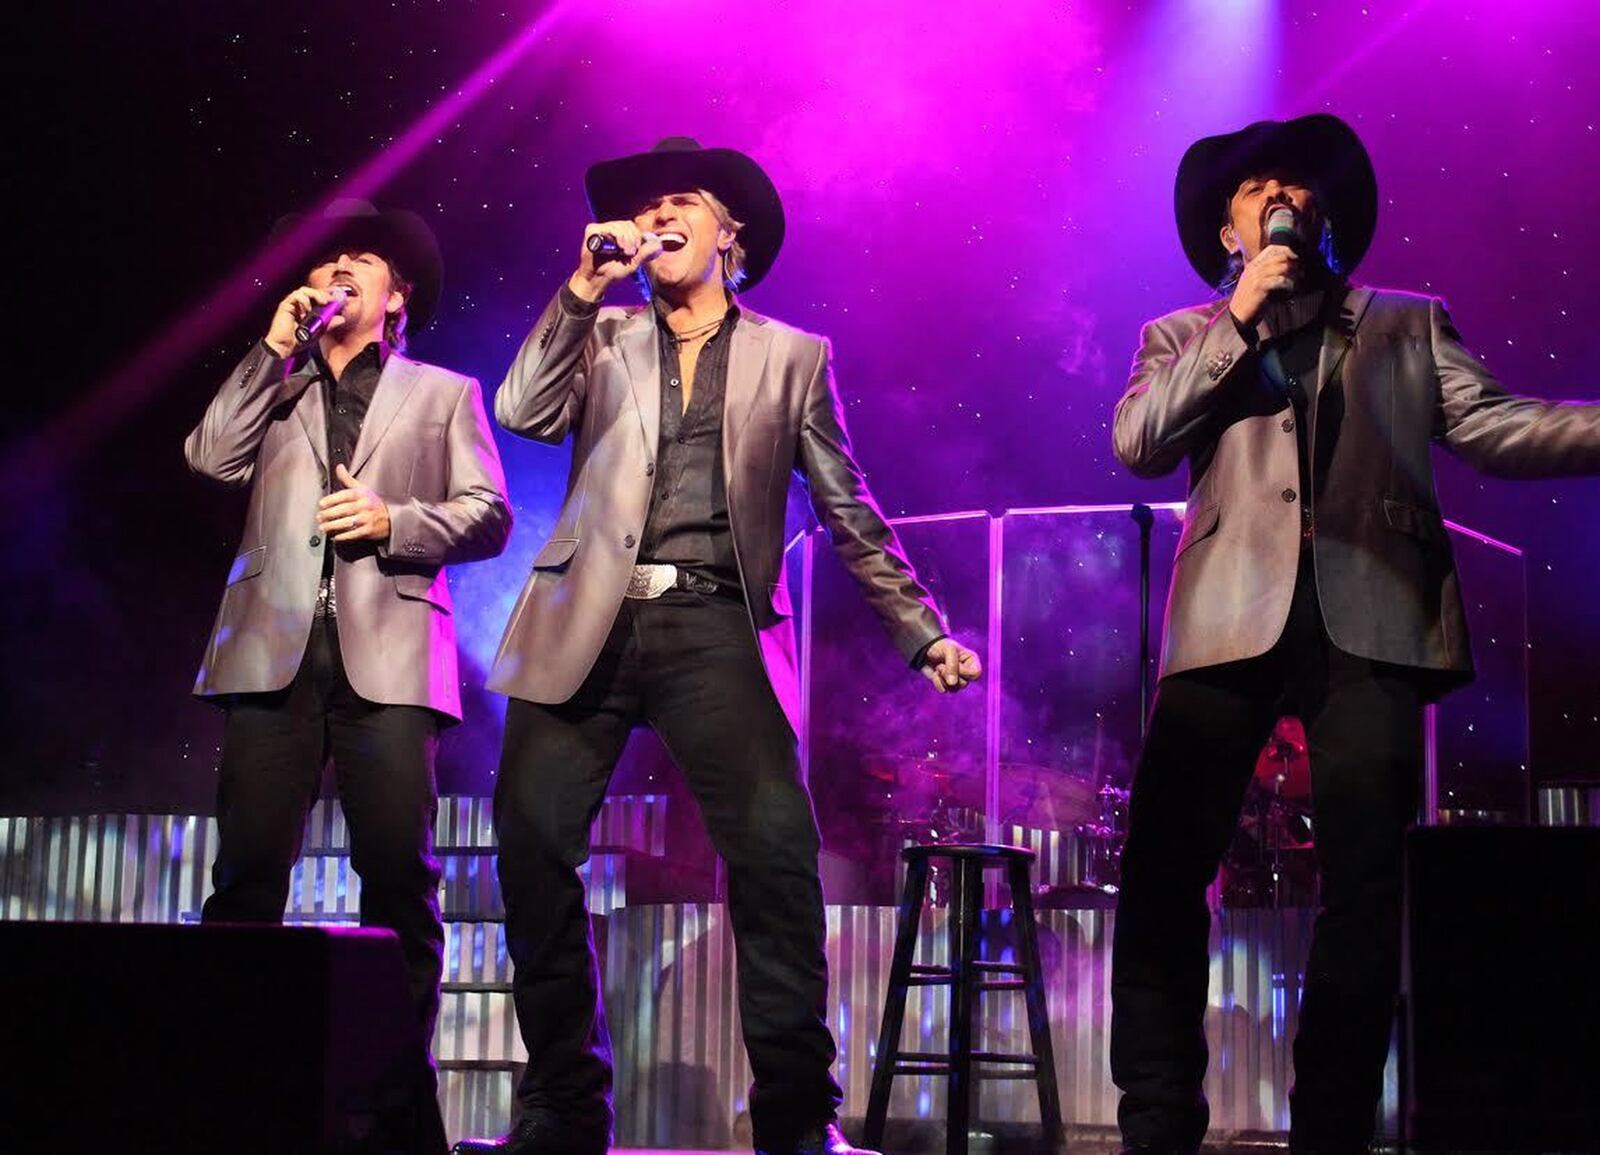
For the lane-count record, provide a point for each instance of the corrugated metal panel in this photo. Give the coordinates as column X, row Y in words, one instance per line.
column 682, row 1075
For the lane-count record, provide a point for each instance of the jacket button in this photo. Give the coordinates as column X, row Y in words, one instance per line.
column 650, row 469
column 1288, row 495
column 315, row 541
column 1288, row 424
column 627, row 542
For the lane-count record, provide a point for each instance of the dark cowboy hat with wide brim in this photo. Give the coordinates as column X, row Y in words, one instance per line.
column 1319, row 149
column 398, row 235
column 617, row 189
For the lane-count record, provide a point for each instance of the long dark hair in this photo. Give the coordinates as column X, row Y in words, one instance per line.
column 394, row 324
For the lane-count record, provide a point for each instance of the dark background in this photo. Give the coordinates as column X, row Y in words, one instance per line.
column 979, row 216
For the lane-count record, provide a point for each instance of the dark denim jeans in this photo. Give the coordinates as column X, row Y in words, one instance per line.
column 687, row 665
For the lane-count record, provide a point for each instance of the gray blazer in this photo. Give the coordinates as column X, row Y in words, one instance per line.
column 598, row 378
column 426, row 447
column 1385, row 574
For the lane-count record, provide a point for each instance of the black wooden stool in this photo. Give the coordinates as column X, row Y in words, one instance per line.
column 967, row 976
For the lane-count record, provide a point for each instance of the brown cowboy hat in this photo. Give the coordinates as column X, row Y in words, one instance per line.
column 398, row 235
column 1320, row 149
column 617, row 188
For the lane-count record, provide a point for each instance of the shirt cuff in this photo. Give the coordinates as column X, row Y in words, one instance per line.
column 1247, row 333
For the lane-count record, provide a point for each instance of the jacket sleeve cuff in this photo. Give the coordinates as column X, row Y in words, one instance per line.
column 575, row 306
column 920, row 658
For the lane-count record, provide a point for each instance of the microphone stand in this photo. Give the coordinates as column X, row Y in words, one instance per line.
column 1144, row 518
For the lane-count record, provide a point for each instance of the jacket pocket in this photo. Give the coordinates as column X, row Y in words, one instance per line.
column 247, row 564
column 779, row 595
column 424, row 587
column 556, row 554
column 1423, row 524
column 1198, row 525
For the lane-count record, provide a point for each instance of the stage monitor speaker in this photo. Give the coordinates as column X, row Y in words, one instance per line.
column 1502, row 998
column 239, row 1039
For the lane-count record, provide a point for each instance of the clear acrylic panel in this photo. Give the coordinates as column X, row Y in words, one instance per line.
column 1069, row 658
column 1480, row 731
column 1042, row 751
column 889, row 759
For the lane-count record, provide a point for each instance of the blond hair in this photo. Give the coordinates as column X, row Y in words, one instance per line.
column 733, row 259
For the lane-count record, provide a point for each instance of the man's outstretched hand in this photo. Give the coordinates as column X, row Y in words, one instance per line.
column 950, row 666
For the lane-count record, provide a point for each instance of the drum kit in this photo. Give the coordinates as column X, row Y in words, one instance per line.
column 1100, row 842
column 1271, row 862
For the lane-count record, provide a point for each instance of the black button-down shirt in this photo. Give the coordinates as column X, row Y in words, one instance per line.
column 688, row 522
column 1290, row 337
column 347, row 398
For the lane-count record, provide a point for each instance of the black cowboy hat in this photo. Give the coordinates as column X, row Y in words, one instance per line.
column 617, row 188
column 398, row 235
column 1319, row 149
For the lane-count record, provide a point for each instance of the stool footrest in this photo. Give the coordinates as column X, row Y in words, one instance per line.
column 1000, row 968
column 922, row 1068
column 927, row 969
column 934, row 1057
column 1003, row 985
column 997, row 1057
column 930, row 980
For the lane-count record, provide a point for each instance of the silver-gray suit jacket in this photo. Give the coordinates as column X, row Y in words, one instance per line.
column 598, row 378
column 426, row 448
column 1400, row 380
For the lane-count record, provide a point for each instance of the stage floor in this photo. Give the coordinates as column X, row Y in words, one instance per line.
column 1079, row 1141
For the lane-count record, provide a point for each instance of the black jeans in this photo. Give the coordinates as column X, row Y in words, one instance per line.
column 1364, row 727
column 687, row 665
column 274, row 747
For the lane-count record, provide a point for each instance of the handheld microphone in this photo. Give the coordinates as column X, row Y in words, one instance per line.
column 316, row 323
column 1281, row 229
column 605, row 247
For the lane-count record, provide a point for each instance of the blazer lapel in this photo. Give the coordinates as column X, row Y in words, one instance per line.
column 747, row 366
column 1336, row 338
column 313, row 413
column 395, row 383
column 641, row 357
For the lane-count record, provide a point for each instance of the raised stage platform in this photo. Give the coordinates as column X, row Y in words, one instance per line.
column 682, row 1076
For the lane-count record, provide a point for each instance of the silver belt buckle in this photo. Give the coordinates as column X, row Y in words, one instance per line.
column 651, row 581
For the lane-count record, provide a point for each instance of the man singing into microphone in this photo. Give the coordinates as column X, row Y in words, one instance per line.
column 1313, row 576
column 660, row 599
column 369, row 473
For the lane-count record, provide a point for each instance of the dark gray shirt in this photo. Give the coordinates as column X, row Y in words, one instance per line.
column 1289, row 338
column 348, row 397
column 688, row 521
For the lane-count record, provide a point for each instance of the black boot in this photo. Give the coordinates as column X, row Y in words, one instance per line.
column 540, row 1134
column 823, row 1139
